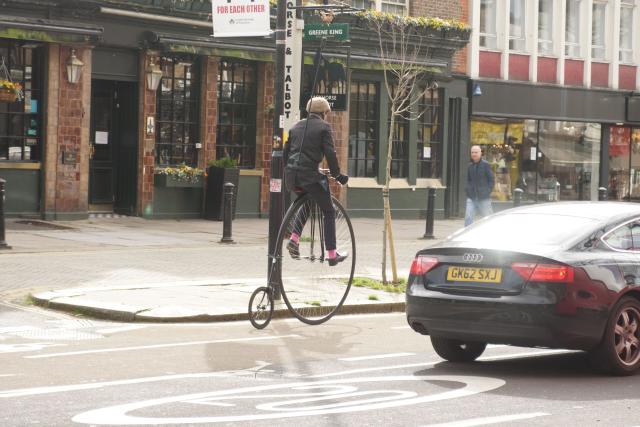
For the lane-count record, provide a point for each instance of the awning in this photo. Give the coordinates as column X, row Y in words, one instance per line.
column 47, row 30
column 256, row 49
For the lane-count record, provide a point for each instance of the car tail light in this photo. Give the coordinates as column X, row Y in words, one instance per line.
column 543, row 272
column 422, row 264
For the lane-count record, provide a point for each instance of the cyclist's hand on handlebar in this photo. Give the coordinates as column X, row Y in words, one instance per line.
column 342, row 179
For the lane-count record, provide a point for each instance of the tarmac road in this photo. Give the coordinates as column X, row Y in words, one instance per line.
column 56, row 370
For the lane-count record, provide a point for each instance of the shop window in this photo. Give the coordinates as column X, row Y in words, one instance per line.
column 517, row 34
column 488, row 33
column 363, row 129
column 568, row 158
column 237, row 103
column 624, row 163
column 545, row 27
column 399, row 143
column 429, row 136
column 177, row 113
column 20, row 115
column 626, row 31
column 572, row 29
column 598, row 35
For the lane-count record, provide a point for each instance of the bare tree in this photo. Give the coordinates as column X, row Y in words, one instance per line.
column 403, row 50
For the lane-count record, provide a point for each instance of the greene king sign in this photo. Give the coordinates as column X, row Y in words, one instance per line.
column 240, row 18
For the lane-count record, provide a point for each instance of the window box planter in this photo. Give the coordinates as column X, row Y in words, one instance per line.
column 168, row 181
column 8, row 95
column 214, row 199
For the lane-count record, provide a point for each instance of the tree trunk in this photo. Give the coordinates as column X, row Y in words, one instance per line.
column 387, row 206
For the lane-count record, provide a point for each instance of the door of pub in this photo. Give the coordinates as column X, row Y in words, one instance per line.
column 113, row 154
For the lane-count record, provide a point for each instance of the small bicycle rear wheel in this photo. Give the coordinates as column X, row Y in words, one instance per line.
column 260, row 307
column 312, row 289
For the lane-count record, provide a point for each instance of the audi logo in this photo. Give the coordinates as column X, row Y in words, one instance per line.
column 472, row 257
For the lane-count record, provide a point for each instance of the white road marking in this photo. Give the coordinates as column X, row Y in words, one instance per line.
column 490, row 420
column 496, row 345
column 7, row 375
column 527, row 354
column 90, row 386
column 24, row 347
column 321, row 398
column 377, row 356
column 148, row 347
column 120, row 329
column 12, row 329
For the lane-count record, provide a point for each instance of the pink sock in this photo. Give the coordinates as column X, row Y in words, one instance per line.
column 295, row 237
column 332, row 253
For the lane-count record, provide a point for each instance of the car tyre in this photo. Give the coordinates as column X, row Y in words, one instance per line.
column 457, row 351
column 619, row 351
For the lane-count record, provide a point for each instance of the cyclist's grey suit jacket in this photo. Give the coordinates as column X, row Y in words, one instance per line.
column 302, row 167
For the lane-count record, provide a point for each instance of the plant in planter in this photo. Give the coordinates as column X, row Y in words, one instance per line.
column 220, row 172
column 178, row 176
column 9, row 91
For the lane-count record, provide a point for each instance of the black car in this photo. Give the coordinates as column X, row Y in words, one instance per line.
column 558, row 275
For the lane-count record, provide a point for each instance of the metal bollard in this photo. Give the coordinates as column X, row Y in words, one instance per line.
column 517, row 197
column 602, row 194
column 3, row 242
column 431, row 205
column 228, row 213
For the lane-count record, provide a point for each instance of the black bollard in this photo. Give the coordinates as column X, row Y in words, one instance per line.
column 431, row 205
column 228, row 213
column 517, row 197
column 602, row 194
column 3, row 242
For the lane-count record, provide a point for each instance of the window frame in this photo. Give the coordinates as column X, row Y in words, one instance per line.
column 543, row 41
column 625, row 56
column 354, row 125
column 600, row 48
column 190, row 121
column 488, row 39
column 572, row 49
column 520, row 40
column 625, row 224
column 17, row 108
column 436, row 120
column 248, row 146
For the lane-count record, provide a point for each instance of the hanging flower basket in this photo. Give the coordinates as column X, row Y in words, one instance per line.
column 7, row 95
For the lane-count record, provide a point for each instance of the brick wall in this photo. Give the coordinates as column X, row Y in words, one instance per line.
column 451, row 9
column 146, row 147
column 67, row 145
column 264, row 128
column 209, row 110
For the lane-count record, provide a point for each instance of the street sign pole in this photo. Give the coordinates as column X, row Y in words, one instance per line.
column 276, row 200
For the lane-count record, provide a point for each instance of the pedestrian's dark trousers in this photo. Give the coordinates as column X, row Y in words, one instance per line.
column 319, row 192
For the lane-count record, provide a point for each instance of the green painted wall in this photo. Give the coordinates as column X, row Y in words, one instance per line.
column 248, row 203
column 175, row 202
column 405, row 203
column 22, row 192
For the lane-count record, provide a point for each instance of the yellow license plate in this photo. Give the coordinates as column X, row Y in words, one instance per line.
column 474, row 274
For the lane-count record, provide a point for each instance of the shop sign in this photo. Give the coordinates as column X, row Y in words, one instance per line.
column 633, row 109
column 331, row 83
column 240, row 18
column 338, row 32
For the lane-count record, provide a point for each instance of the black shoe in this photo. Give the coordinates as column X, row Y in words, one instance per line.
column 338, row 259
column 294, row 249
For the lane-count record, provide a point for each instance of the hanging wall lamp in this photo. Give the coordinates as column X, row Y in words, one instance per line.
column 154, row 75
column 74, row 68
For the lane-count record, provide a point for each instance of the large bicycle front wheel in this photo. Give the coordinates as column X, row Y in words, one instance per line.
column 312, row 289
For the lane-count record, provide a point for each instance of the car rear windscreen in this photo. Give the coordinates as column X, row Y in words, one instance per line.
column 537, row 229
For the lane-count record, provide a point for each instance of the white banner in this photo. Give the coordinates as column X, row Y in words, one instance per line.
column 240, row 18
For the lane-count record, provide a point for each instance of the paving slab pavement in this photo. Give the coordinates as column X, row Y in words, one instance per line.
column 132, row 269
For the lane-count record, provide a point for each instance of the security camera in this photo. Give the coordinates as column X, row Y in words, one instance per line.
column 433, row 85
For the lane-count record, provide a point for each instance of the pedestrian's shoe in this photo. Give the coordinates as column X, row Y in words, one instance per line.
column 294, row 249
column 338, row 259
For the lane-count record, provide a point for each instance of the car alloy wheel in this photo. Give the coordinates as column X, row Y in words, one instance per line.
column 619, row 351
column 627, row 336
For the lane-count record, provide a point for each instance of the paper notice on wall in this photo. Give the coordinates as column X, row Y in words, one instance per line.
column 426, row 152
column 102, row 138
column 240, row 18
column 275, row 185
column 533, row 153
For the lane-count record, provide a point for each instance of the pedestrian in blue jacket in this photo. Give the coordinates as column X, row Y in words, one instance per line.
column 479, row 186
